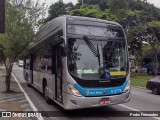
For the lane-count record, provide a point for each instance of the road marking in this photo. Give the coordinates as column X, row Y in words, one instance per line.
column 133, row 109
column 129, row 107
column 28, row 99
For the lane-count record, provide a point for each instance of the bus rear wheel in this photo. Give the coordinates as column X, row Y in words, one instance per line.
column 46, row 95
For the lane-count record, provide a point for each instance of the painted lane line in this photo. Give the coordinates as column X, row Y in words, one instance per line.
column 28, row 99
column 133, row 109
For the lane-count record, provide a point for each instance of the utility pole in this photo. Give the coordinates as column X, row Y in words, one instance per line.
column 2, row 16
column 82, row 2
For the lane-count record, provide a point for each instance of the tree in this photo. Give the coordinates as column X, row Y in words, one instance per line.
column 136, row 37
column 20, row 29
column 116, row 5
column 145, row 39
column 153, row 30
column 89, row 11
column 57, row 9
column 133, row 16
column 149, row 10
column 102, row 4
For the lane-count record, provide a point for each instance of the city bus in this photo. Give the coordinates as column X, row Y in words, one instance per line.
column 79, row 62
column 149, row 61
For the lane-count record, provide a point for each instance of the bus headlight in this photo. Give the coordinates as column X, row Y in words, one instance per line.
column 127, row 87
column 73, row 90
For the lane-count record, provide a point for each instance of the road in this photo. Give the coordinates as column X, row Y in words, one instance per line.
column 141, row 100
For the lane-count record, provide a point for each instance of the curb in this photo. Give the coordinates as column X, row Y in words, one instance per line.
column 138, row 87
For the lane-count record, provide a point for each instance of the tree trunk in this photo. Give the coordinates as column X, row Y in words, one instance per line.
column 8, row 64
column 8, row 79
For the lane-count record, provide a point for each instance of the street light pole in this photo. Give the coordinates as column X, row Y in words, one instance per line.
column 82, row 2
column 2, row 16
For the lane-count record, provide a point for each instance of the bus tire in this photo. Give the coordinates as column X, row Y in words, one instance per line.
column 46, row 94
column 29, row 85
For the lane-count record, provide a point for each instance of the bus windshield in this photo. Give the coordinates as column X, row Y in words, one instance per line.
column 97, row 59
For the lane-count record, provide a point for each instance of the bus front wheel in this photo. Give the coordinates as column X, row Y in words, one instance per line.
column 29, row 85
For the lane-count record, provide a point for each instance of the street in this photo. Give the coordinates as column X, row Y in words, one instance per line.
column 141, row 100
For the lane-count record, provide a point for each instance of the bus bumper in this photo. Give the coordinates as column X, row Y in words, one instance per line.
column 74, row 102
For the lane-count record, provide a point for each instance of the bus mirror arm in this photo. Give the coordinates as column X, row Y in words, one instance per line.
column 63, row 47
column 62, row 39
column 63, row 51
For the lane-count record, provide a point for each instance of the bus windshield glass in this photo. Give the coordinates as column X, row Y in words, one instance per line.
column 97, row 59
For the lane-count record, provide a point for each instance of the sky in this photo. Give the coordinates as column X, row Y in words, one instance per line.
column 49, row 2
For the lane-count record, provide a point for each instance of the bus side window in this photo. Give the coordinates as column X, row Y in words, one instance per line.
column 46, row 63
column 28, row 63
column 35, row 63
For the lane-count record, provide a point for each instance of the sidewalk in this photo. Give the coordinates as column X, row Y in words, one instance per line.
column 14, row 101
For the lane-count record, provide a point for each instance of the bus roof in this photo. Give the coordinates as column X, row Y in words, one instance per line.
column 61, row 21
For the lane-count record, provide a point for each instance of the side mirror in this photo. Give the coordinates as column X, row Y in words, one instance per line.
column 62, row 47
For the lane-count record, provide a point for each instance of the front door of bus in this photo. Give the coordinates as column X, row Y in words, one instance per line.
column 58, row 74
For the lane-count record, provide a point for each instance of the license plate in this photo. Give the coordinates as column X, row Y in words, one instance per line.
column 104, row 101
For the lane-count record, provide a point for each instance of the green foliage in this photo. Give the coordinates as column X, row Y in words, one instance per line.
column 116, row 5
column 57, row 9
column 140, row 79
column 89, row 11
column 110, row 15
column 21, row 25
column 154, row 26
column 144, row 35
column 135, row 38
column 18, row 31
column 150, row 12
column 102, row 4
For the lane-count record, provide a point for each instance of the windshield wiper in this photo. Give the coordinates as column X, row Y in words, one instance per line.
column 92, row 48
column 98, row 55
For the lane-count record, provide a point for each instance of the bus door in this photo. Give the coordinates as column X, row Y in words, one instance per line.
column 28, row 69
column 30, row 80
column 36, row 71
column 57, row 70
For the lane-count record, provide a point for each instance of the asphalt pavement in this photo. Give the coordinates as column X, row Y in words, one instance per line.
column 141, row 101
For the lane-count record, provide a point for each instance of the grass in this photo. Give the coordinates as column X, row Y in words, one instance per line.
column 140, row 79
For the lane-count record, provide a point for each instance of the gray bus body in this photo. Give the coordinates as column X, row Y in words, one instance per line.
column 79, row 62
